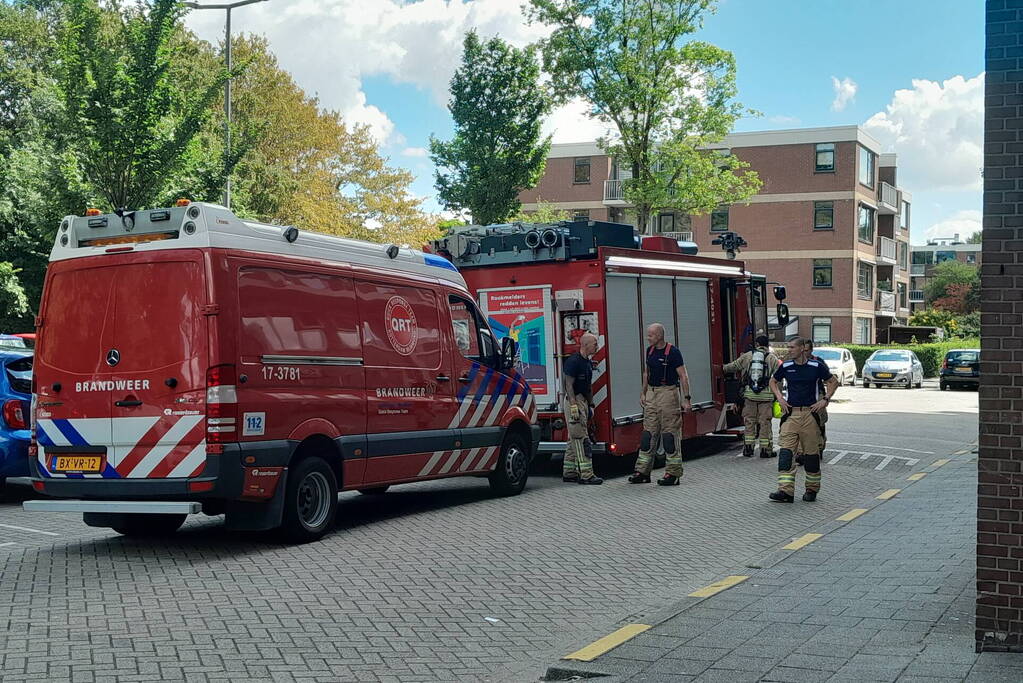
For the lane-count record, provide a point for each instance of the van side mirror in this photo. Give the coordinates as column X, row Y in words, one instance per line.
column 509, row 353
column 782, row 312
column 779, row 292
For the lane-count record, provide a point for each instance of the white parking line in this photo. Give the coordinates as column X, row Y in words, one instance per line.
column 24, row 528
column 4, row 545
column 886, row 458
column 891, row 448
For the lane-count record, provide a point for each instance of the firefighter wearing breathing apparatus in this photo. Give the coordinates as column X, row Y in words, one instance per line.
column 800, row 424
column 578, row 378
column 662, row 409
column 755, row 367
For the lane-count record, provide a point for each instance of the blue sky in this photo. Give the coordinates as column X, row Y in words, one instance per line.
column 386, row 63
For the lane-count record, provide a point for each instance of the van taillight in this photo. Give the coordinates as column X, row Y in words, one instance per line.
column 944, row 364
column 221, row 404
column 14, row 414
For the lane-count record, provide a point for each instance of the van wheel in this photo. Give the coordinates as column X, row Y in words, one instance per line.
column 149, row 525
column 310, row 501
column 512, row 467
column 374, row 491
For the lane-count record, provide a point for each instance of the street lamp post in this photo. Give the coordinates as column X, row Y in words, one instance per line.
column 227, row 85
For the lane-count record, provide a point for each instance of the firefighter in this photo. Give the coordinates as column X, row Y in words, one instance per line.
column 755, row 367
column 577, row 376
column 800, row 422
column 662, row 409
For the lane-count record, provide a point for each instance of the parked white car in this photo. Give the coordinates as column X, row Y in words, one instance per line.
column 840, row 362
column 894, row 367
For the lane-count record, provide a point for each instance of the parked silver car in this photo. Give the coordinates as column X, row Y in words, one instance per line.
column 894, row 367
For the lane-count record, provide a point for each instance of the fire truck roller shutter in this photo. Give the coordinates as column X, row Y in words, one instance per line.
column 693, row 323
column 658, row 304
column 624, row 344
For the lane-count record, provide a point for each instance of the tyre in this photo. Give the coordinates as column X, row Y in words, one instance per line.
column 909, row 383
column 310, row 501
column 866, row 384
column 374, row 491
column 149, row 525
column 943, row 386
column 512, row 467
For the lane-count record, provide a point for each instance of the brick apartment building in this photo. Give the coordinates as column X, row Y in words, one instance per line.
column 924, row 258
column 830, row 222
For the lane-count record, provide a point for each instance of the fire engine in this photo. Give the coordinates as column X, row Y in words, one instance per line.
column 547, row 284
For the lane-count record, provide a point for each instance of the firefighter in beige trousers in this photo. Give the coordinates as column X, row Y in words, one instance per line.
column 755, row 368
column 662, row 409
column 577, row 379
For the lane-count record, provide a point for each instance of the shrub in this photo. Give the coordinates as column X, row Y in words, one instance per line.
column 930, row 354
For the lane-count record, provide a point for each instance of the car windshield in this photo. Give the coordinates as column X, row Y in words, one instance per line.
column 828, row 354
column 963, row 356
column 12, row 342
column 890, row 356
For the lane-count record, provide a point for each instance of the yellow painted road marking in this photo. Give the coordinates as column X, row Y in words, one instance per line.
column 608, row 642
column 939, row 463
column 890, row 493
column 802, row 541
column 916, row 477
column 721, row 585
column 852, row 514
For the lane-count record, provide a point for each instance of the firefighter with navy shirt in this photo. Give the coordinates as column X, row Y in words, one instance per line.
column 662, row 409
column 577, row 378
column 800, row 422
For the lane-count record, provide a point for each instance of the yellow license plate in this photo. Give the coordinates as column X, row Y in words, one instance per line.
column 885, row 375
column 964, row 369
column 78, row 463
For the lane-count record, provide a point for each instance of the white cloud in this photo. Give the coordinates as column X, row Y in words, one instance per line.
column 419, row 152
column 937, row 129
column 785, row 120
column 963, row 223
column 329, row 46
column 570, row 123
column 845, row 92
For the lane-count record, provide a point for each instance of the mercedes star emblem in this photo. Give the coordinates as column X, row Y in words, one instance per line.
column 113, row 357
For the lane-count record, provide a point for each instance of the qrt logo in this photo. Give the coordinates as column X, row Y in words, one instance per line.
column 400, row 320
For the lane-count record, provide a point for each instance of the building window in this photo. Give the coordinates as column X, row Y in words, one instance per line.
column 942, row 256
column 719, row 219
column 904, row 216
column 971, row 258
column 582, row 170
column 666, row 222
column 822, row 272
column 821, row 330
column 923, row 257
column 684, row 222
column 866, row 170
column 863, row 335
column 903, row 302
column 824, row 215
column 903, row 255
column 865, row 224
column 824, row 161
column 581, row 214
column 865, row 281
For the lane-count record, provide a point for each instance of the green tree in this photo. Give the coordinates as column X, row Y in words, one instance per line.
column 670, row 100
column 127, row 123
column 975, row 238
column 497, row 104
column 13, row 301
column 545, row 212
column 950, row 273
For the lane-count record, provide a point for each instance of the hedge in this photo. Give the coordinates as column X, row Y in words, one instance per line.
column 931, row 354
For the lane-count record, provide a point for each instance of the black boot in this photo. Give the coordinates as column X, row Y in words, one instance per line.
column 639, row 478
column 593, row 481
column 747, row 451
column 669, row 480
column 781, row 497
column 767, row 453
column 570, row 478
column 810, row 496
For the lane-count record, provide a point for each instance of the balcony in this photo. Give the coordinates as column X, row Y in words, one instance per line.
column 886, row 303
column 887, row 251
column 916, row 296
column 887, row 199
column 683, row 236
column 613, row 195
column 918, row 269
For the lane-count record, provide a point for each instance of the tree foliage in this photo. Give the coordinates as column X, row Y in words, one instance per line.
column 669, row 100
column 545, row 212
column 975, row 238
column 497, row 151
column 964, row 299
column 954, row 324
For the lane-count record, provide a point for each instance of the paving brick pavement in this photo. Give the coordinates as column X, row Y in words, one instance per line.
column 888, row 596
column 401, row 591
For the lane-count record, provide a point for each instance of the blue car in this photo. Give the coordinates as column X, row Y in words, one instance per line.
column 15, row 404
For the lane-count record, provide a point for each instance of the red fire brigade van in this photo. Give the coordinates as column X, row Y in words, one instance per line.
column 191, row 361
column 547, row 284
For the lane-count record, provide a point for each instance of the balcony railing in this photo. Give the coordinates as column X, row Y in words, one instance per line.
column 918, row 269
column 916, row 296
column 887, row 249
column 613, row 191
column 681, row 236
column 886, row 302
column 888, row 198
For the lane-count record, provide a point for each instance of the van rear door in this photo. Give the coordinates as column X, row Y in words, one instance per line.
column 160, row 345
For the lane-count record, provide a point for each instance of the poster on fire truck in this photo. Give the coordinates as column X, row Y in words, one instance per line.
column 524, row 314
